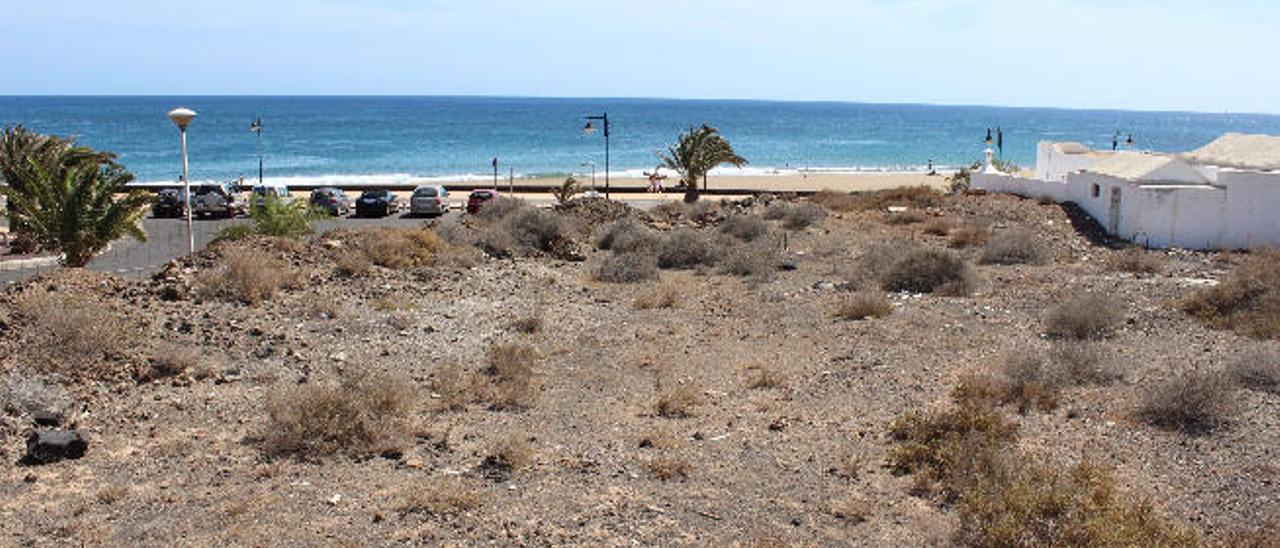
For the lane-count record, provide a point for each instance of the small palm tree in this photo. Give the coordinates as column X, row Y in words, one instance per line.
column 69, row 198
column 694, row 155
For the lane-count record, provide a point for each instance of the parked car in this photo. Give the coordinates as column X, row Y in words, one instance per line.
column 479, row 198
column 429, row 200
column 331, row 199
column 217, row 200
column 170, row 202
column 262, row 192
column 377, row 203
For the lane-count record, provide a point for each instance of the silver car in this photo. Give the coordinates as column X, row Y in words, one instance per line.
column 429, row 200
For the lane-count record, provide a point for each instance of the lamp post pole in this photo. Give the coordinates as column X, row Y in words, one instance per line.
column 256, row 127
column 182, row 118
column 589, row 129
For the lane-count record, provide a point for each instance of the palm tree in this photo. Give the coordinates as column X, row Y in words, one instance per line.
column 694, row 155
column 69, row 198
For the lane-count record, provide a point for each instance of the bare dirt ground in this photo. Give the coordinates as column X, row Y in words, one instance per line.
column 788, row 405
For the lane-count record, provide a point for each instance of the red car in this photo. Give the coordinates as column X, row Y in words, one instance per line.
column 480, row 197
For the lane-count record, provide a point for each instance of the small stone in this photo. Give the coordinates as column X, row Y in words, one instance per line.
column 334, row 500
column 339, row 357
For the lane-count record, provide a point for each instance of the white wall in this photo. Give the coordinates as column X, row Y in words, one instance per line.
column 1238, row 213
column 1052, row 165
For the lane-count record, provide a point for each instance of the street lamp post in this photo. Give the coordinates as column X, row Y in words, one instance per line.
column 256, row 127
column 589, row 129
column 592, row 165
column 182, row 118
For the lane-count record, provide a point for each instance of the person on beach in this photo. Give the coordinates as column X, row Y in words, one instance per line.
column 931, row 171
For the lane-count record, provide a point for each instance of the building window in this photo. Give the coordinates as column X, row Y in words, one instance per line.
column 1097, row 191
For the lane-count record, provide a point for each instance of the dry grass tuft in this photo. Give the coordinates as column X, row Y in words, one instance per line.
column 247, row 275
column 352, row 263
column 678, row 402
column 971, row 233
column 1029, row 382
column 400, row 248
column 669, row 467
column 69, row 334
column 506, row 456
column 1010, row 247
column 440, row 497
column 667, row 296
column 909, row 217
column 836, row 201
column 1082, row 362
column 1089, row 316
column 511, row 384
column 919, row 197
column 863, row 305
column 765, row 378
column 1248, row 301
column 1194, row 404
column 529, row 325
column 171, row 360
column 1136, row 260
column 757, row 259
column 803, row 216
column 939, row 227
column 1258, row 370
column 111, row 494
column 451, row 389
column 627, row 235
column 358, row 416
column 852, row 510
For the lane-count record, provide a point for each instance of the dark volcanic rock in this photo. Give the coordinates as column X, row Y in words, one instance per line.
column 51, row 446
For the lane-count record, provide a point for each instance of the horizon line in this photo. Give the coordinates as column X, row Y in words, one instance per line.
column 639, row 99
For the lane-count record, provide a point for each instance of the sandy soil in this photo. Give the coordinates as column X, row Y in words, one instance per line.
column 178, row 462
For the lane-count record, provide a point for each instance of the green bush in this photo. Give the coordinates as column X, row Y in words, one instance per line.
column 281, row 218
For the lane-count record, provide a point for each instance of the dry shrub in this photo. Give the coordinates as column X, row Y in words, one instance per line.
column 171, row 360
column 352, row 263
column 853, row 510
column 745, row 227
column 667, row 296
column 501, row 208
column 625, row 268
column 1029, row 382
column 929, row 271
column 510, row 368
column 971, row 233
column 835, row 201
column 1136, row 260
column 849, row 464
column 863, row 305
column 440, row 497
column 939, row 227
column 764, row 378
column 247, row 275
column 909, row 217
column 685, row 248
column 1082, row 362
column 967, row 455
column 803, row 216
column 534, row 228
column 1034, row 504
column 757, row 259
column 400, row 248
column 112, row 494
column 1258, row 369
column 776, row 211
column 1010, row 247
column 1089, row 316
column 1194, row 404
column 920, row 197
column 1248, row 301
column 678, row 402
column 389, row 303
column 69, row 334
column 659, row 438
column 358, row 416
column 669, row 467
column 325, row 307
column 627, row 235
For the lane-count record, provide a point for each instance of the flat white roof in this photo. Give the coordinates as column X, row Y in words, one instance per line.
column 1239, row 151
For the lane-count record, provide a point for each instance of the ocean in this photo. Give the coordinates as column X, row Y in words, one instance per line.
column 376, row 140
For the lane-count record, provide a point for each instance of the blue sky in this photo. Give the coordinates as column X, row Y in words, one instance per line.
column 1137, row 54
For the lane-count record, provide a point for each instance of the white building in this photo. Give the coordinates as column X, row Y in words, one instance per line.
column 1225, row 195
